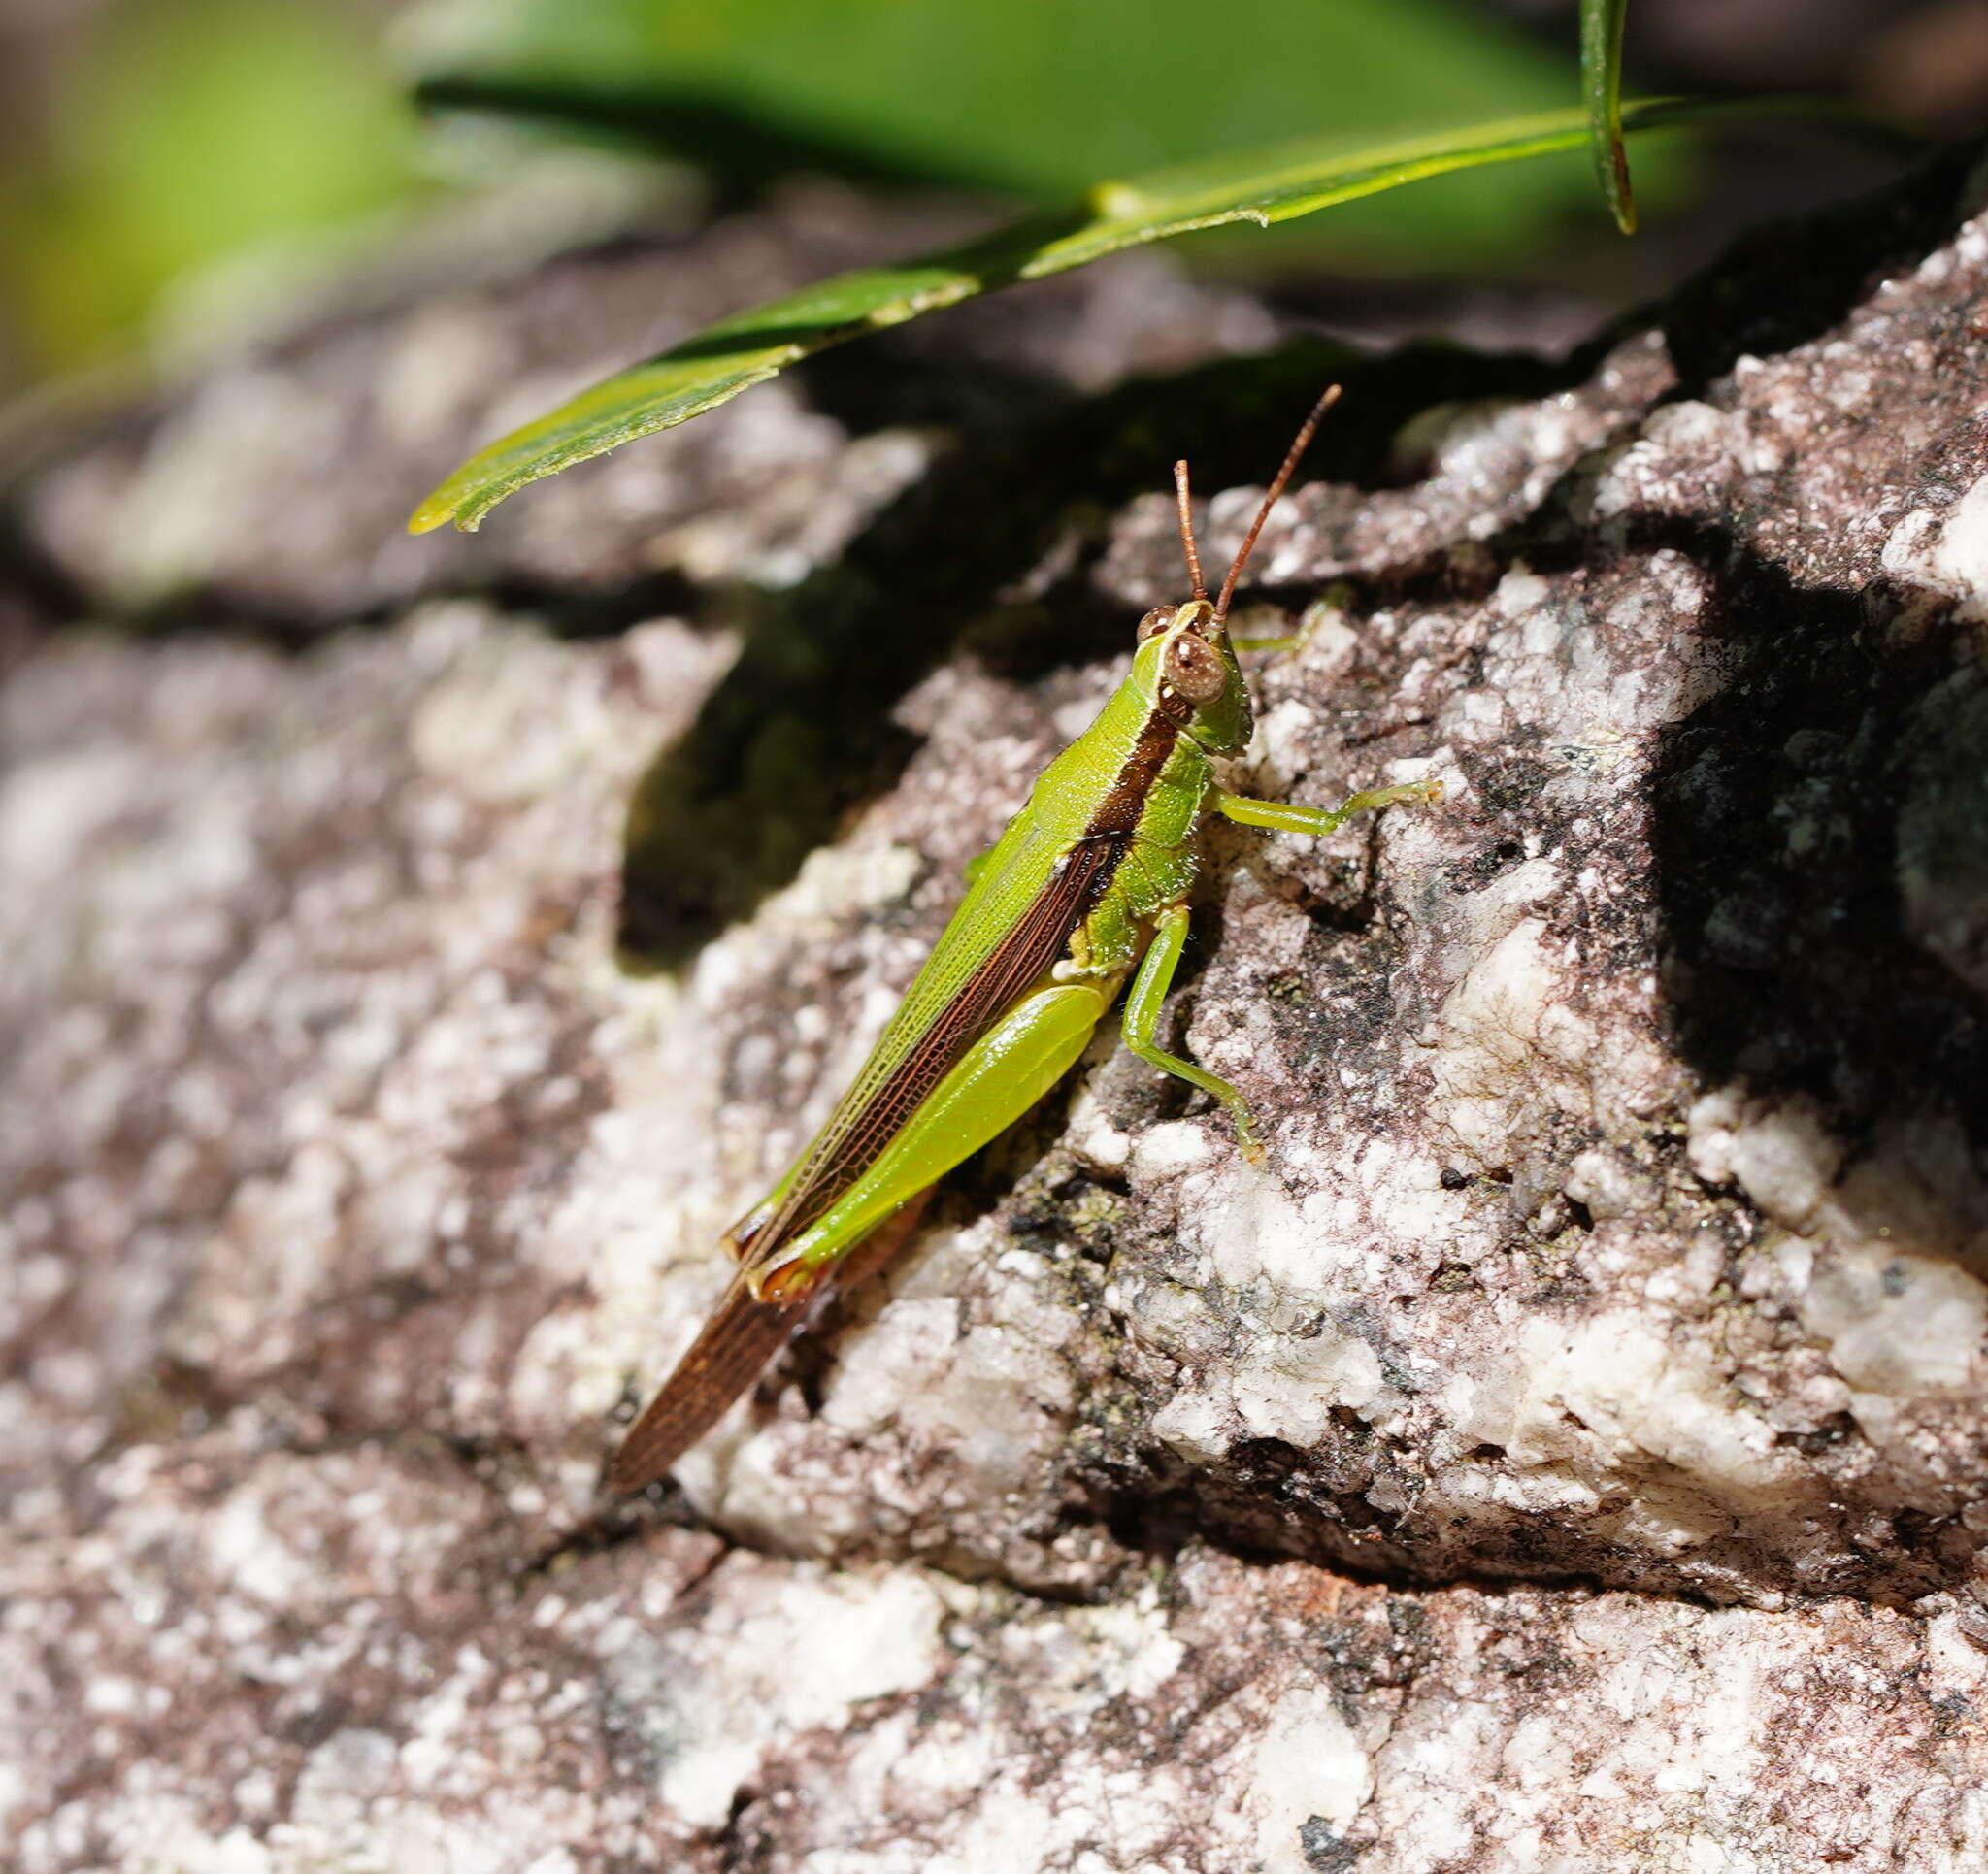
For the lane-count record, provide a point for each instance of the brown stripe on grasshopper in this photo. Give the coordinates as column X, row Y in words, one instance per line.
column 1118, row 814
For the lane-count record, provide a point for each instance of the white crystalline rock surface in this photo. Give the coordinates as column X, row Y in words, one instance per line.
column 252, row 1698
column 1618, row 1252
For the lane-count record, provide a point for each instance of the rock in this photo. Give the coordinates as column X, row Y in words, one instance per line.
column 1598, row 1352
column 258, row 1697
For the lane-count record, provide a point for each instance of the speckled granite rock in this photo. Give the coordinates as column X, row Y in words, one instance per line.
column 1618, row 1252
column 294, row 1659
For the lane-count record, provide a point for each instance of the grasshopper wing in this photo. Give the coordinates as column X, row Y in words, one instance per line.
column 737, row 1340
column 740, row 1336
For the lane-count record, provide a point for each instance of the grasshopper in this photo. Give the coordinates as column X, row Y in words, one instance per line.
column 1088, row 886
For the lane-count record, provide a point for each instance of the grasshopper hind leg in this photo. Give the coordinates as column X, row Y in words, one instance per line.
column 998, row 1079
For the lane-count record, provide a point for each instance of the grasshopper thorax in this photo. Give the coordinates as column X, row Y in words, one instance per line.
column 1186, row 668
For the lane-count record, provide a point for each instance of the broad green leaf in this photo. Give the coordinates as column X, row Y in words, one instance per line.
column 1035, row 98
column 1600, row 82
column 1260, row 186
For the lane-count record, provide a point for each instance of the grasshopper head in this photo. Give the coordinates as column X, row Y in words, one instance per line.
column 1188, row 667
column 1185, row 663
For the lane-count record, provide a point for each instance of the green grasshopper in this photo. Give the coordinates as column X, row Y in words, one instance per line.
column 1087, row 886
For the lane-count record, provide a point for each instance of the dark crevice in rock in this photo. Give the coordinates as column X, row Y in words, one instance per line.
column 617, row 1524
column 1159, row 1521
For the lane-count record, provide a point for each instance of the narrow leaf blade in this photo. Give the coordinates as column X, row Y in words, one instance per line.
column 1265, row 185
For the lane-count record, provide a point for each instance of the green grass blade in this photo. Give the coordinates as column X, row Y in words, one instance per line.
column 1601, row 84
column 1264, row 185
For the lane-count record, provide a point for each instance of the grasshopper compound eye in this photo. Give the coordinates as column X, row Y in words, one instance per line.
column 1195, row 669
column 1154, row 622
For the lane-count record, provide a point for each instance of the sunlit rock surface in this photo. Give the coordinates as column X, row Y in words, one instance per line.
column 1564, row 1451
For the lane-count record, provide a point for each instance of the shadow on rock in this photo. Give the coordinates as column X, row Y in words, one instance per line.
column 989, row 551
column 1819, row 841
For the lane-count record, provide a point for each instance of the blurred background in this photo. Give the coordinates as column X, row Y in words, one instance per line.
column 165, row 164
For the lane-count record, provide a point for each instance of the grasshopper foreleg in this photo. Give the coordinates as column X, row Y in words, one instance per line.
column 1170, row 935
column 1281, row 817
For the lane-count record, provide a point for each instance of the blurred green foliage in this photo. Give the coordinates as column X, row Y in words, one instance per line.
column 185, row 131
column 1601, row 23
column 1039, row 99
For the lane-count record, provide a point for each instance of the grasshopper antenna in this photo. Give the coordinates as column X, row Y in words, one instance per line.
column 1270, row 501
column 1181, row 501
